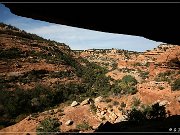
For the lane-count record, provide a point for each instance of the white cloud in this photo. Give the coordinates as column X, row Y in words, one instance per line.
column 78, row 38
column 45, row 30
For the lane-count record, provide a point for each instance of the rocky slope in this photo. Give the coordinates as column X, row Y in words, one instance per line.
column 36, row 74
column 155, row 70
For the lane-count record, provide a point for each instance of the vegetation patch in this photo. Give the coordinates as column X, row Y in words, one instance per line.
column 84, row 126
column 144, row 74
column 48, row 125
column 136, row 102
column 107, row 100
column 11, row 53
column 176, row 85
column 161, row 88
column 125, row 86
column 155, row 112
column 165, row 76
column 93, row 108
column 115, row 103
column 123, row 105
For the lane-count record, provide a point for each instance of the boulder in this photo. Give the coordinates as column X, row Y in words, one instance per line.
column 85, row 102
column 113, row 116
column 55, row 110
column 74, row 103
column 178, row 99
column 163, row 103
column 98, row 99
column 51, row 112
column 102, row 113
column 156, row 102
column 16, row 74
column 98, row 111
column 28, row 118
column 109, row 110
column 121, row 118
column 96, row 126
column 99, row 115
column 104, row 109
column 69, row 122
column 45, row 112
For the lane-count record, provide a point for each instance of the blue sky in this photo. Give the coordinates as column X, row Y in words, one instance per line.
column 76, row 38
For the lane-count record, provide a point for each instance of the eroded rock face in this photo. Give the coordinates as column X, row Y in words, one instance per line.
column 69, row 122
column 74, row 103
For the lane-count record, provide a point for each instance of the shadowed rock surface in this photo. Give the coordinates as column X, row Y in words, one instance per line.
column 146, row 126
column 153, row 21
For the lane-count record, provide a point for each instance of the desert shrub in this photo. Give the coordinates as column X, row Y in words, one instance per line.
column 114, row 66
column 176, row 85
column 132, row 90
column 108, row 100
column 136, row 102
column 129, row 80
column 116, row 89
column 84, row 126
column 123, row 105
column 103, row 118
column 48, row 125
column 165, row 76
column 110, row 106
column 147, row 64
column 115, row 103
column 61, row 74
column 161, row 88
column 144, row 74
column 137, row 64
